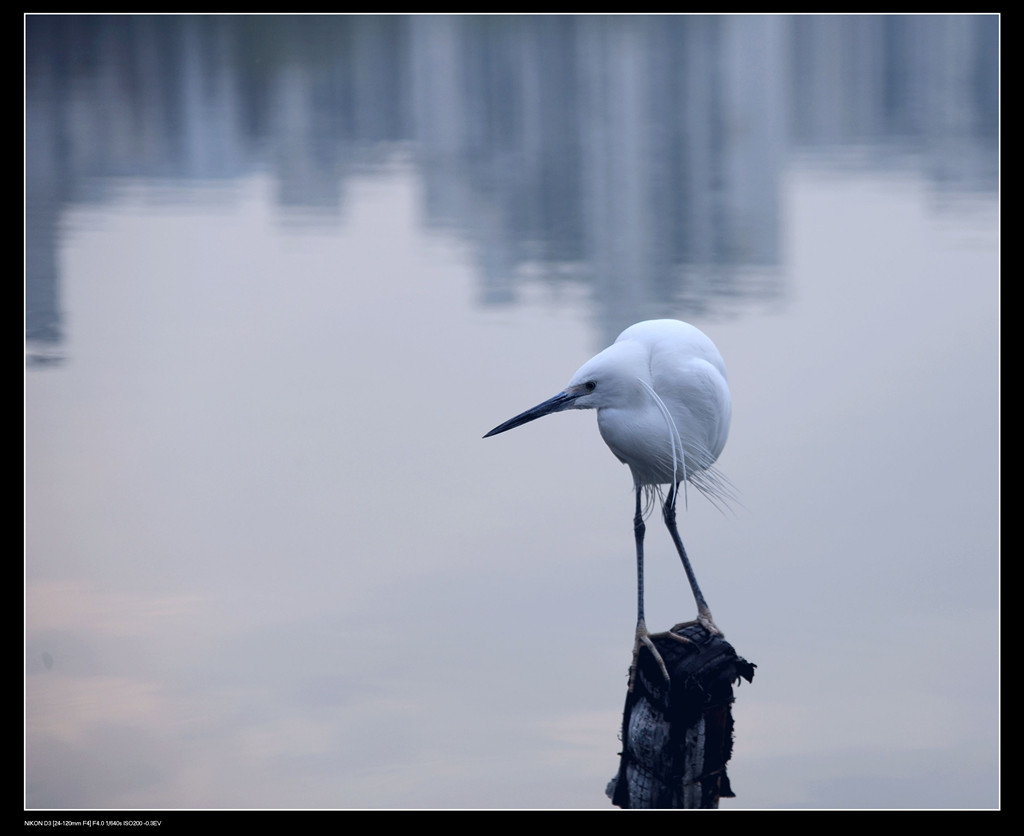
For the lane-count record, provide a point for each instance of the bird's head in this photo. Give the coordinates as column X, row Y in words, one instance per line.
column 607, row 379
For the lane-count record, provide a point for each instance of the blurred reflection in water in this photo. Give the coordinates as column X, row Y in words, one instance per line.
column 637, row 157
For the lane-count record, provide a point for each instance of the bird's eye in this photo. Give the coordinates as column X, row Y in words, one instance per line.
column 590, row 386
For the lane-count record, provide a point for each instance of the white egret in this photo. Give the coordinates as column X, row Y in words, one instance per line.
column 663, row 407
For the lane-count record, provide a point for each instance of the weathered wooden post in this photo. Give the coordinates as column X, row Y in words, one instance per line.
column 677, row 739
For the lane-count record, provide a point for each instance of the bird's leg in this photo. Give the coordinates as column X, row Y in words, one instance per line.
column 703, row 612
column 643, row 636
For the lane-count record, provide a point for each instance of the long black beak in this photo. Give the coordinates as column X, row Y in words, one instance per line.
column 563, row 400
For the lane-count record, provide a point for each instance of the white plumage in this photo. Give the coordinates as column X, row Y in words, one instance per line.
column 663, row 408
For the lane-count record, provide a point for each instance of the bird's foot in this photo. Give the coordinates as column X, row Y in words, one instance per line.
column 643, row 638
column 704, row 620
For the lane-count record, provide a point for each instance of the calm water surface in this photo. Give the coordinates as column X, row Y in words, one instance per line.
column 282, row 275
